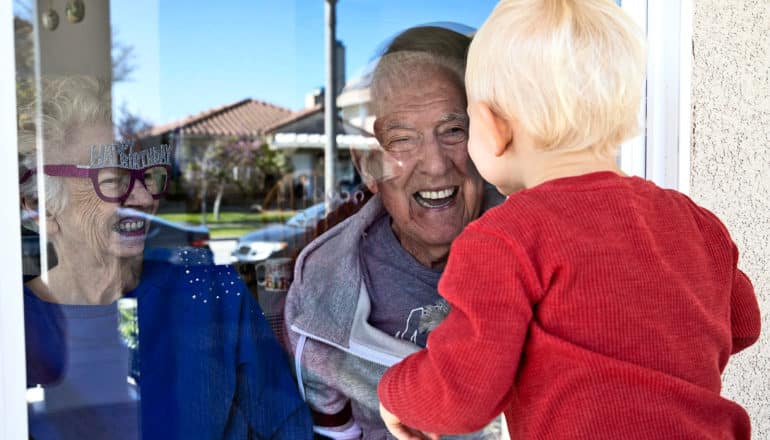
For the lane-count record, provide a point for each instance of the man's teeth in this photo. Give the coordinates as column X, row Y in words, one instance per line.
column 131, row 226
column 436, row 195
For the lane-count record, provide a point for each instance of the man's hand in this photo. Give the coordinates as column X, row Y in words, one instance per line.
column 401, row 431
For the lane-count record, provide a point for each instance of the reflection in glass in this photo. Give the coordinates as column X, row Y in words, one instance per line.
column 125, row 340
column 148, row 246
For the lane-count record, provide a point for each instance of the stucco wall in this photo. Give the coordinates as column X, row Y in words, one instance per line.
column 730, row 169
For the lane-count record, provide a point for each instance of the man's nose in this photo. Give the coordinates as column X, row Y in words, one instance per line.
column 434, row 158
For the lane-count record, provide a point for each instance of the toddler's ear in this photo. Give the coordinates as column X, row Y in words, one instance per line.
column 493, row 129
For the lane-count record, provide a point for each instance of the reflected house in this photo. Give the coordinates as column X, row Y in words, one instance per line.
column 354, row 101
column 297, row 136
column 301, row 139
column 244, row 120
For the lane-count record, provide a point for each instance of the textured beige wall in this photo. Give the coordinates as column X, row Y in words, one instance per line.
column 730, row 170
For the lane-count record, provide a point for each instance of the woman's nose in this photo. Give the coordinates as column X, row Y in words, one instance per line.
column 139, row 195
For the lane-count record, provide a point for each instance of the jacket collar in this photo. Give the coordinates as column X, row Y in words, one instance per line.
column 328, row 278
column 328, row 300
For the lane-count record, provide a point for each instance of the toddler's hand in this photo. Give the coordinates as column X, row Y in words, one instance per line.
column 401, row 431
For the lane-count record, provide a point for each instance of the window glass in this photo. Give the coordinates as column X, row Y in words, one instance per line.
column 173, row 167
column 172, row 162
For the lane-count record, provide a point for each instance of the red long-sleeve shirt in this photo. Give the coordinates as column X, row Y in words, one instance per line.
column 596, row 306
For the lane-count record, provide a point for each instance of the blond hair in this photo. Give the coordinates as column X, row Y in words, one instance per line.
column 570, row 72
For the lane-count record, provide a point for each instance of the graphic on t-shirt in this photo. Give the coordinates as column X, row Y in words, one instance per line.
column 421, row 321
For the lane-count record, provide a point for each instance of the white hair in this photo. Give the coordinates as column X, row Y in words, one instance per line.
column 570, row 71
column 68, row 104
column 418, row 51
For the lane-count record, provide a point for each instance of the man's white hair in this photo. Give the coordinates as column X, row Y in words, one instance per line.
column 418, row 51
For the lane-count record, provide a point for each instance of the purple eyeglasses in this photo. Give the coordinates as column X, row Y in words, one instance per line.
column 112, row 184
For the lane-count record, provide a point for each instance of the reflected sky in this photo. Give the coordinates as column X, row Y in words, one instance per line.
column 194, row 55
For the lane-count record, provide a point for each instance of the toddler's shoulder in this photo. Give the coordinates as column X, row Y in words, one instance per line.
column 707, row 221
column 520, row 215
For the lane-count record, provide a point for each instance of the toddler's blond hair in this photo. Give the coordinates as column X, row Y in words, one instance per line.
column 570, row 71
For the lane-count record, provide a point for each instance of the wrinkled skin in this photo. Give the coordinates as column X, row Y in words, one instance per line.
column 97, row 260
column 431, row 110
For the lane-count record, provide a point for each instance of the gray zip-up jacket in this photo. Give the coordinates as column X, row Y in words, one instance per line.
column 338, row 356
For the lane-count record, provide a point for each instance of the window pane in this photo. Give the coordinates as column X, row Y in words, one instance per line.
column 198, row 261
column 174, row 157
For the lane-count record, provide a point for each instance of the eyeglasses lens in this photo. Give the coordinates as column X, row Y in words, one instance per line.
column 155, row 180
column 114, row 182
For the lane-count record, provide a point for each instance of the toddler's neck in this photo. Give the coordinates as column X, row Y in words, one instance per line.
column 551, row 165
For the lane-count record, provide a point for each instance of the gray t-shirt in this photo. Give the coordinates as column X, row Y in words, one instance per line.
column 403, row 292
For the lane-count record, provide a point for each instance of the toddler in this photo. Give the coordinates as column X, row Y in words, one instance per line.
column 590, row 304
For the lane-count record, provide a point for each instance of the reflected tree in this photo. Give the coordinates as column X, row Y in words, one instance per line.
column 130, row 126
column 25, row 62
column 241, row 163
column 122, row 57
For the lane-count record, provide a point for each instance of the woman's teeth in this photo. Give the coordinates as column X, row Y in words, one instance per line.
column 131, row 226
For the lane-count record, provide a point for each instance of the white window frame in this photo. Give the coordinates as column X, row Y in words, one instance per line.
column 661, row 153
column 13, row 407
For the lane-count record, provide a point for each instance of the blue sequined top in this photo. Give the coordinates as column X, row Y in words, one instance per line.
column 209, row 365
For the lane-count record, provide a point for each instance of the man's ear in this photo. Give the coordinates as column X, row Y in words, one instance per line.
column 363, row 161
column 494, row 130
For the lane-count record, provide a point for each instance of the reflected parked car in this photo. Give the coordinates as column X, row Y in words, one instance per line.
column 279, row 239
column 167, row 234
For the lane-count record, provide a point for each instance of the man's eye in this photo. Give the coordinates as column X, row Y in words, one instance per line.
column 399, row 143
column 454, row 134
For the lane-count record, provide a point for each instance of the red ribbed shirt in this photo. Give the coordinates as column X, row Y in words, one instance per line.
column 595, row 306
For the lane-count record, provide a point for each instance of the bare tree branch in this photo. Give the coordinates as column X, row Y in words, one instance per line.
column 123, row 59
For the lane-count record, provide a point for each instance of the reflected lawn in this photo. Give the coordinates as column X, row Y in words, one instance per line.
column 231, row 224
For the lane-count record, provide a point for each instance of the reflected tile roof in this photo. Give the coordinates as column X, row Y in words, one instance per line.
column 245, row 118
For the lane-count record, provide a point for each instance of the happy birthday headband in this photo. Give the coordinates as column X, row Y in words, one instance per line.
column 122, row 155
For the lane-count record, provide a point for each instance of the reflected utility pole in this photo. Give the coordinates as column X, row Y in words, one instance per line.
column 330, row 105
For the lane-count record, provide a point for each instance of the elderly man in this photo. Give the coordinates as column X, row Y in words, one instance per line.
column 364, row 294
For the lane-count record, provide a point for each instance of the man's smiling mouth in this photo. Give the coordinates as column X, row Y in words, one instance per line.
column 433, row 199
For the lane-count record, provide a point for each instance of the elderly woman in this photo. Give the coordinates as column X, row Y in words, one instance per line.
column 208, row 365
column 365, row 293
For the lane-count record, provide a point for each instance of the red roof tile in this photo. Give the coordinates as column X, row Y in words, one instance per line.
column 245, row 118
column 293, row 118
